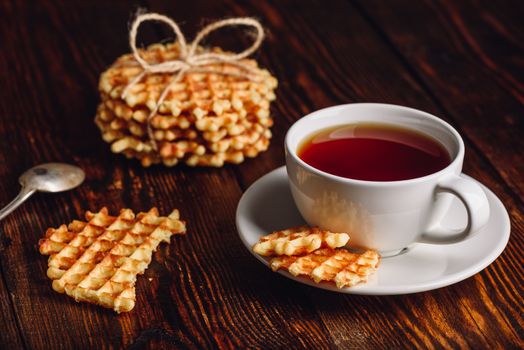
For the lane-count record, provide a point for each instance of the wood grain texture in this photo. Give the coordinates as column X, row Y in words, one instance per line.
column 205, row 290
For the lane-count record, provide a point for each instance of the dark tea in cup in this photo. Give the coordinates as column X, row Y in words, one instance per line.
column 374, row 152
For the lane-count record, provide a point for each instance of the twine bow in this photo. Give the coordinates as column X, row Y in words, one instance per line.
column 189, row 60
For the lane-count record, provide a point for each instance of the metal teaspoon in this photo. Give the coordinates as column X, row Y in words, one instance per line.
column 49, row 177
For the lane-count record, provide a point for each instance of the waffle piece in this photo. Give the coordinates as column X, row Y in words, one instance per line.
column 201, row 93
column 227, row 116
column 340, row 266
column 97, row 261
column 299, row 240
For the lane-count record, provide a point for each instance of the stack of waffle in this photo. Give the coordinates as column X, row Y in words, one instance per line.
column 205, row 120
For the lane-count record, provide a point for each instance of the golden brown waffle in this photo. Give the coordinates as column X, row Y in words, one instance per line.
column 98, row 260
column 299, row 240
column 340, row 266
column 206, row 148
column 226, row 117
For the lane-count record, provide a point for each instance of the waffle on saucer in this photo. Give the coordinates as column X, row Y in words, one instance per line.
column 299, row 240
column 318, row 255
column 340, row 266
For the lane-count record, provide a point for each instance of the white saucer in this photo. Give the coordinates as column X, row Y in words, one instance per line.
column 267, row 206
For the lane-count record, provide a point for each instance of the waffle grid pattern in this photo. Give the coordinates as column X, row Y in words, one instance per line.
column 98, row 260
column 344, row 268
column 317, row 254
column 205, row 120
column 299, row 240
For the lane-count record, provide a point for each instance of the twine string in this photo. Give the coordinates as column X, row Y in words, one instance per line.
column 189, row 60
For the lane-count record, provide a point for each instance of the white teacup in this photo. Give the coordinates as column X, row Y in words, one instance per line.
column 387, row 216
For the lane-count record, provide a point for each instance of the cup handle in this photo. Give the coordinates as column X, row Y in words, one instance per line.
column 475, row 202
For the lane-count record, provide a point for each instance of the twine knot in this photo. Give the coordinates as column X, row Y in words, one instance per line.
column 189, row 60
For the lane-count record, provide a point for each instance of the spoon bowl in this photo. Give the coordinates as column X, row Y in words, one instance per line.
column 49, row 177
column 52, row 177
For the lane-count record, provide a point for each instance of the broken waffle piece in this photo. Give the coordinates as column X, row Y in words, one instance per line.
column 97, row 260
column 299, row 240
column 340, row 266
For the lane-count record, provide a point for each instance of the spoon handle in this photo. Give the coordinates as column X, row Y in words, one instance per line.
column 15, row 203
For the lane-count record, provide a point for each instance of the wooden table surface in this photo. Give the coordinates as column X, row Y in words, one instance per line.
column 460, row 60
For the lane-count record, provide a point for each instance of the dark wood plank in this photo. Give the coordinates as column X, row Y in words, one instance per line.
column 205, row 290
column 474, row 77
column 469, row 60
column 10, row 337
column 369, row 66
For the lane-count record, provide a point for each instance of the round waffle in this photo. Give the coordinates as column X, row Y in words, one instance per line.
column 207, row 119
